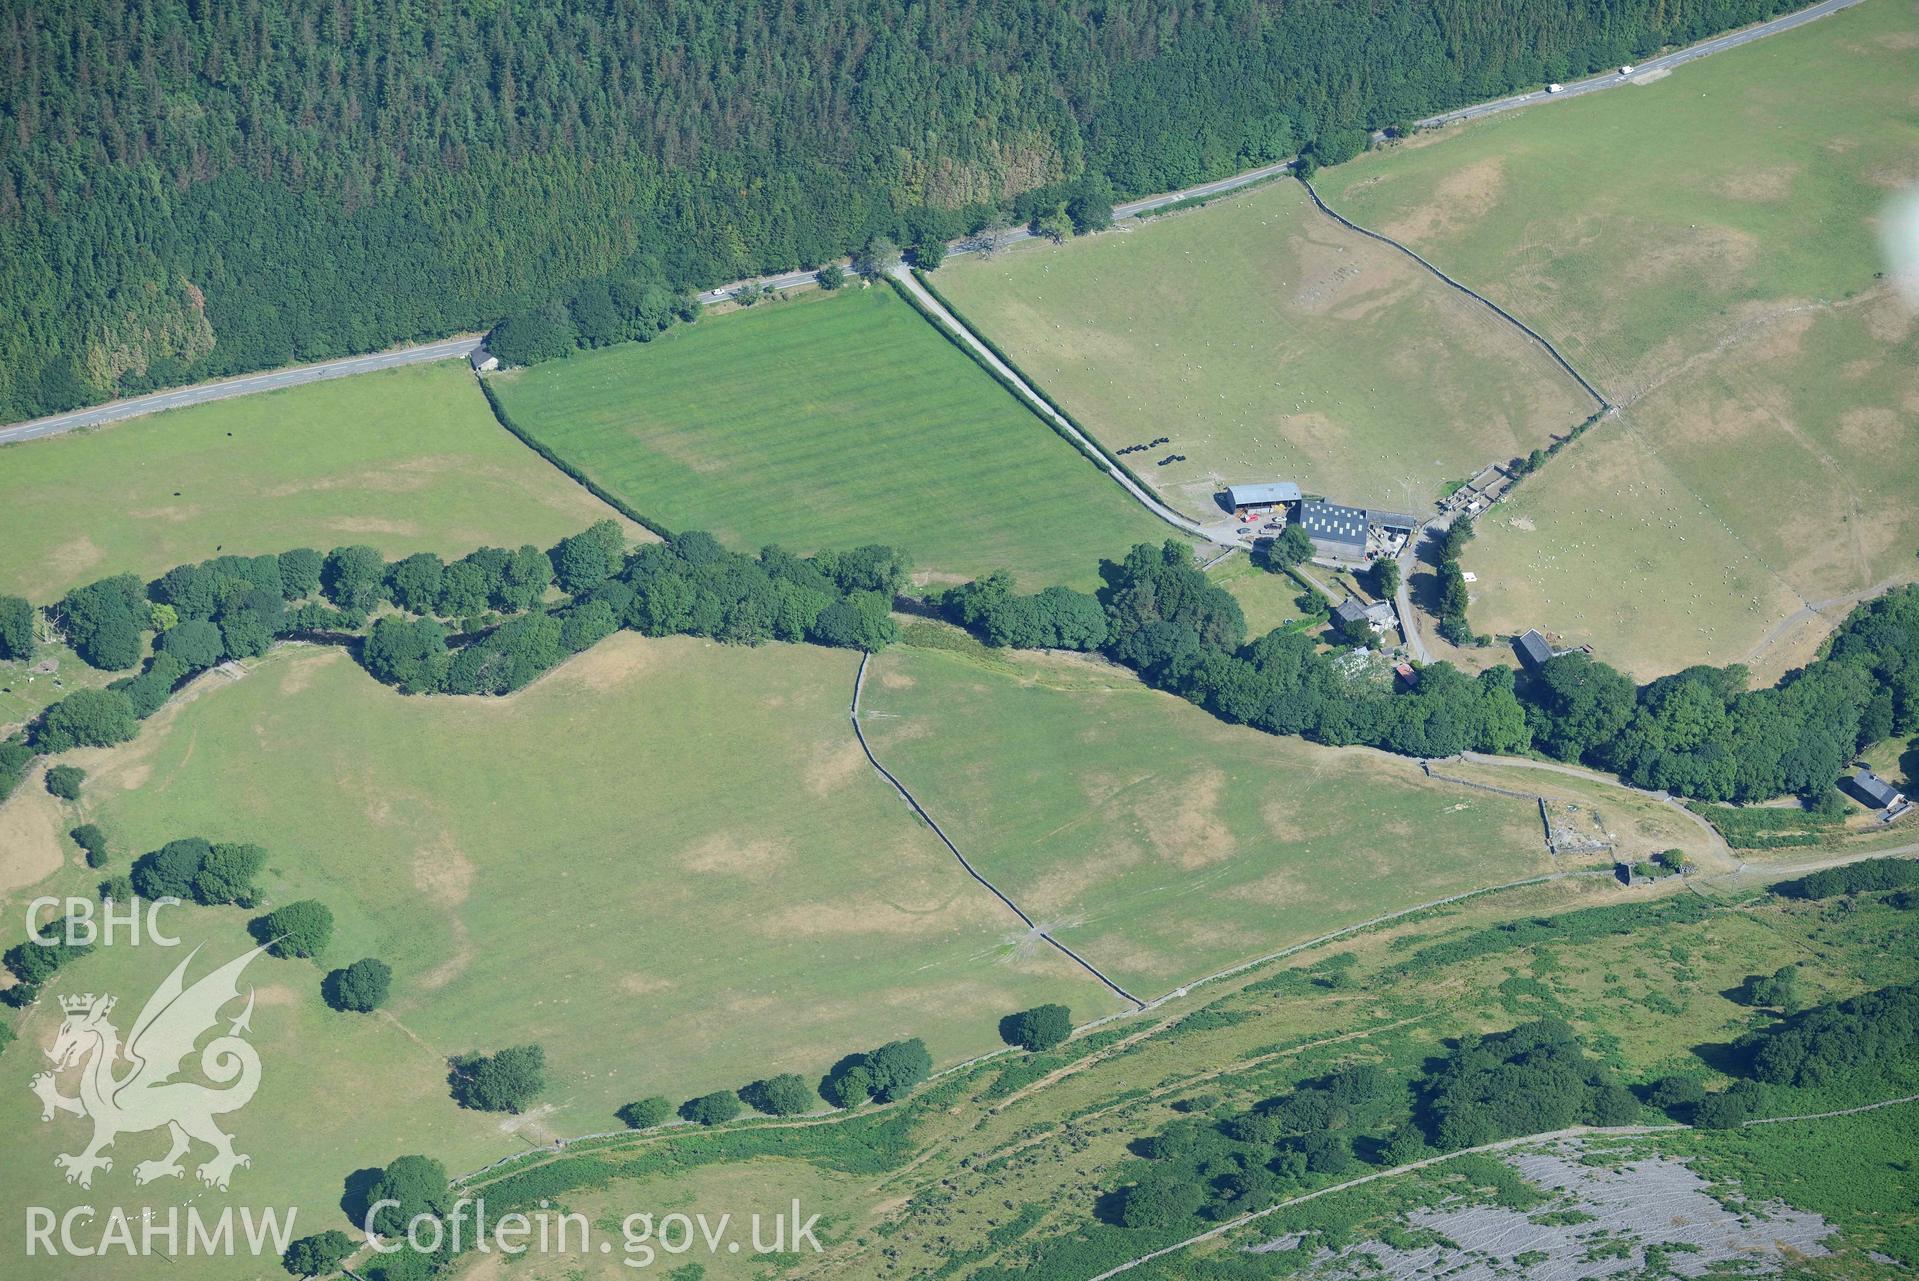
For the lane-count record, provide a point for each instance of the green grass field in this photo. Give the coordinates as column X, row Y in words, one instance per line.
column 830, row 421
column 981, row 1179
column 1708, row 521
column 1159, row 843
column 667, row 863
column 1268, row 600
column 338, row 1093
column 406, row 460
column 26, row 691
column 1269, row 343
column 1705, row 247
column 1640, row 226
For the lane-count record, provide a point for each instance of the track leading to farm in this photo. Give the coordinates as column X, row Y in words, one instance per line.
column 937, row 311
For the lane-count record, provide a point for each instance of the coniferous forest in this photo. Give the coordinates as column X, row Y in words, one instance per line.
column 191, row 189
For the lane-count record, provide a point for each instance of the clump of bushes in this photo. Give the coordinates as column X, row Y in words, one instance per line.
column 64, row 781
column 1778, row 990
column 86, row 718
column 630, row 304
column 504, row 1082
column 302, row 929
column 887, row 1073
column 1865, row 877
column 195, row 870
column 15, row 756
column 361, row 987
column 1040, row 1028
column 1056, row 618
column 92, row 841
column 787, row 1094
column 318, row 1255
column 1676, row 1095
column 16, row 629
column 716, row 1108
column 644, row 1114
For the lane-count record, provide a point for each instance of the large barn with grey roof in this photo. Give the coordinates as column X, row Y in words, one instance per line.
column 1338, row 532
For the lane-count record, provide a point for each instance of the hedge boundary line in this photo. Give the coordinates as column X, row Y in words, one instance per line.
column 1098, row 453
column 853, row 714
column 566, row 468
column 1605, row 405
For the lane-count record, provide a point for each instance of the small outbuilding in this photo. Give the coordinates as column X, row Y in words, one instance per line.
column 1532, row 649
column 1391, row 522
column 482, row 360
column 1274, row 494
column 1876, row 792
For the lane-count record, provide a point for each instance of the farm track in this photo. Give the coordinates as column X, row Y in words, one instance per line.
column 545, row 1154
column 1817, row 608
column 1220, row 534
column 1361, row 927
column 1711, row 833
column 1571, row 1132
column 549, row 1152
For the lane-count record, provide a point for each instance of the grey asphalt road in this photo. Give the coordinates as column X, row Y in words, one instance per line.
column 273, row 379
column 1012, row 236
column 1664, row 62
column 450, row 347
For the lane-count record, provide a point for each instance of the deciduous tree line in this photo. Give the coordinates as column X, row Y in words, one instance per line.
column 1531, row 1079
column 1184, row 633
column 887, row 1073
column 487, row 623
column 1702, row 733
column 1698, row 733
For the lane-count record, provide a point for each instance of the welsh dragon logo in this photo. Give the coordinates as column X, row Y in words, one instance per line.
column 144, row 1096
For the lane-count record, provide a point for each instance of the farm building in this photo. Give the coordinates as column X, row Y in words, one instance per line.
column 1391, row 522
column 1337, row 532
column 1532, row 649
column 1876, row 792
column 482, row 360
column 1275, row 494
column 1378, row 615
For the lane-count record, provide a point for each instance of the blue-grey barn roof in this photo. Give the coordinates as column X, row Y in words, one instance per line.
column 1533, row 649
column 1333, row 523
column 1279, row 491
